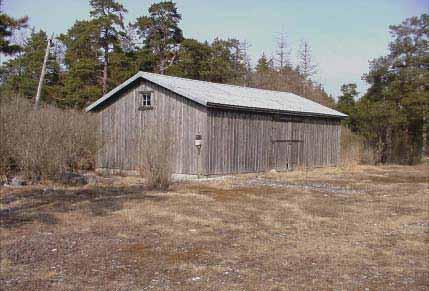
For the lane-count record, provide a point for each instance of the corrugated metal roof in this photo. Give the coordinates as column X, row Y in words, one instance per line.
column 211, row 94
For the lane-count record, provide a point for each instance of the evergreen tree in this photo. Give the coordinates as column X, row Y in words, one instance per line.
column 394, row 112
column 129, row 57
column 82, row 61
column 7, row 26
column 264, row 65
column 108, row 16
column 161, row 34
column 225, row 65
column 224, row 61
column 19, row 76
column 346, row 101
column 193, row 60
column 347, row 104
column 265, row 76
column 123, row 65
column 240, row 61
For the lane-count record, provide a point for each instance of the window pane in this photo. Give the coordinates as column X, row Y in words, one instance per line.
column 146, row 99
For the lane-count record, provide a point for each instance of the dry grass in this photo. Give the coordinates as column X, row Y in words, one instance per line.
column 324, row 229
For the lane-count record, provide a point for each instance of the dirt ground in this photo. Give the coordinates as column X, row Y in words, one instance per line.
column 365, row 228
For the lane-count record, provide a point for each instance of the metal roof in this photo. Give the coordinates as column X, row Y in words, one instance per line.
column 222, row 95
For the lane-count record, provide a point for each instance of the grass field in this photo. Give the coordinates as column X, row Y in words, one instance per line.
column 365, row 228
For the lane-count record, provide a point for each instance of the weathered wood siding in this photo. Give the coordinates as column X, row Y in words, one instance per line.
column 233, row 141
column 123, row 124
column 253, row 142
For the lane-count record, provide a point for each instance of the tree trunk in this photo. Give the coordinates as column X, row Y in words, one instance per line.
column 162, row 65
column 424, row 137
column 42, row 74
column 388, row 146
column 106, row 61
column 304, row 89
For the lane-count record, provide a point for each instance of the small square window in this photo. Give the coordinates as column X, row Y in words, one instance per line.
column 146, row 101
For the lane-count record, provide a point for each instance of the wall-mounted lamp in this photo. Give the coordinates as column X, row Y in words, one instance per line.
column 198, row 142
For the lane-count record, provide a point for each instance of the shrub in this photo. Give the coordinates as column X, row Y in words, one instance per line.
column 351, row 148
column 354, row 149
column 156, row 166
column 46, row 142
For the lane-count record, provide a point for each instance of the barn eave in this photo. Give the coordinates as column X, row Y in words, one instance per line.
column 272, row 111
column 237, row 94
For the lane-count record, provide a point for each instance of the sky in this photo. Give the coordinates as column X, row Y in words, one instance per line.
column 343, row 34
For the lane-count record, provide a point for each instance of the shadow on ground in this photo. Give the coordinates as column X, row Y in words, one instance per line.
column 40, row 204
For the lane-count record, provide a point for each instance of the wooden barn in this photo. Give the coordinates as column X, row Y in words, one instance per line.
column 216, row 128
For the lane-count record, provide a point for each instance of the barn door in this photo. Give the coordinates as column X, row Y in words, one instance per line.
column 281, row 155
column 286, row 145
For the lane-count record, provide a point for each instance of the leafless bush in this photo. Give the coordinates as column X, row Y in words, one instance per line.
column 156, row 165
column 46, row 142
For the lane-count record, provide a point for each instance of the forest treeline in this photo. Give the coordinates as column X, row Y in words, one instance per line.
column 98, row 53
column 392, row 116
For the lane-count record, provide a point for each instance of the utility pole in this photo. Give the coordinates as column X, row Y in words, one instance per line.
column 42, row 74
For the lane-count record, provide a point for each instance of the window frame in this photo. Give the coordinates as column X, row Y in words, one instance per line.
column 146, row 100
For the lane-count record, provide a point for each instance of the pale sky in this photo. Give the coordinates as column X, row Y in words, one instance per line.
column 343, row 35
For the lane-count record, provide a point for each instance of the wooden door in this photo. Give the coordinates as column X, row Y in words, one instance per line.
column 281, row 155
column 286, row 144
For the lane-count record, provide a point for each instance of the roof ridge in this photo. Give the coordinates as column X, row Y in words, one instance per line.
column 237, row 86
column 204, row 92
column 222, row 84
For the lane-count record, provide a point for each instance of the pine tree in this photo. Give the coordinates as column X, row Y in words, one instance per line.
column 347, row 104
column 19, row 76
column 264, row 65
column 7, row 27
column 240, row 60
column 123, row 65
column 394, row 112
column 223, row 65
column 161, row 34
column 108, row 15
column 347, row 100
column 83, row 64
column 192, row 61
